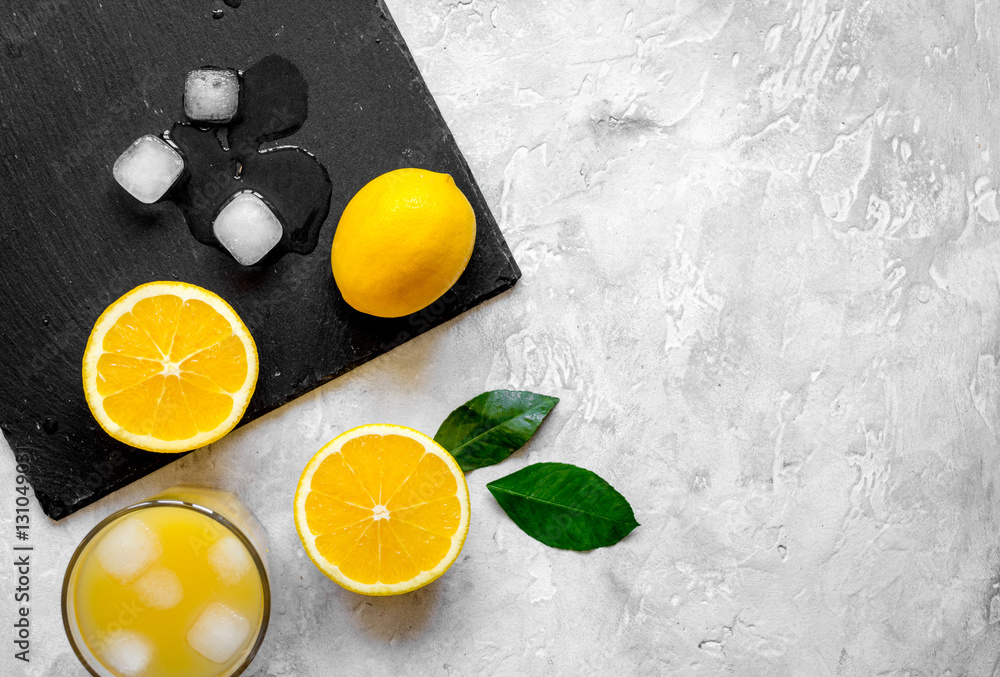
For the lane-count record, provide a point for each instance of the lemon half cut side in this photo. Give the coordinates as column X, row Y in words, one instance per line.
column 382, row 510
column 169, row 367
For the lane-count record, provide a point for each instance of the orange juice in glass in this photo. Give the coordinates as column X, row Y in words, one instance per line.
column 174, row 586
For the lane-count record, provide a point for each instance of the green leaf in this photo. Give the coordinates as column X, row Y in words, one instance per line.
column 564, row 506
column 492, row 426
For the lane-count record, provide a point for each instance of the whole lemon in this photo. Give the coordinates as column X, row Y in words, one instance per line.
column 402, row 242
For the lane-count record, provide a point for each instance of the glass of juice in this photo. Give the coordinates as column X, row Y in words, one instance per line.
column 174, row 586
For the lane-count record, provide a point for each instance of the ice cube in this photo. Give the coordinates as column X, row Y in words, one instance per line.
column 247, row 228
column 219, row 633
column 159, row 588
column 127, row 653
column 211, row 94
column 230, row 560
column 127, row 550
column 148, row 168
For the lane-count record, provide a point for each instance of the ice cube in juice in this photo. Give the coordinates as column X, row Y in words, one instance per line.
column 167, row 600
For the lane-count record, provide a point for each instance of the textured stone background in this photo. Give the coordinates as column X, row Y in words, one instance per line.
column 760, row 243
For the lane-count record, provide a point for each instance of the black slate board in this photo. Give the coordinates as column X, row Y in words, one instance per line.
column 79, row 81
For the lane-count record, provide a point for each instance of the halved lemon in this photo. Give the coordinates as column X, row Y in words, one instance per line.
column 169, row 367
column 382, row 509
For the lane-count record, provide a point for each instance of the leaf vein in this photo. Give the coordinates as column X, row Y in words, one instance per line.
column 560, row 505
column 499, row 425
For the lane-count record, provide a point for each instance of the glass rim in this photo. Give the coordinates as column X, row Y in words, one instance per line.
column 167, row 503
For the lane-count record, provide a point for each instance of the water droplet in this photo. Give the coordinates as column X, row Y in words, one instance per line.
column 45, row 321
column 218, row 14
column 233, row 3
